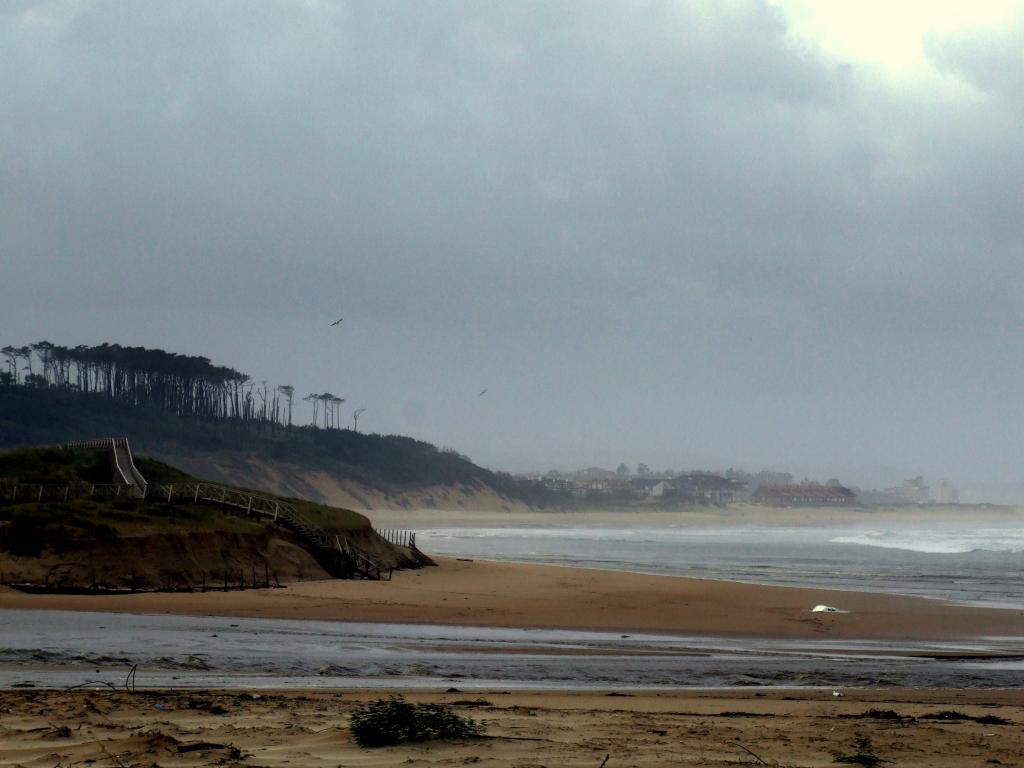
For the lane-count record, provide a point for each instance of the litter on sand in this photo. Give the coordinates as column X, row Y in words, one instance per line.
column 826, row 609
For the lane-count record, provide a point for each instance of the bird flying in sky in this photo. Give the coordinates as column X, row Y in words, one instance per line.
column 336, row 322
column 482, row 393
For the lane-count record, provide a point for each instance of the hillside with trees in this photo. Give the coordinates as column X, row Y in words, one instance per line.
column 220, row 424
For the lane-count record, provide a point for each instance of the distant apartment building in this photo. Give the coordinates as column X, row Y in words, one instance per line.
column 644, row 486
column 558, row 484
column 804, row 495
column 593, row 487
column 913, row 491
column 662, row 488
column 708, row 488
column 945, row 493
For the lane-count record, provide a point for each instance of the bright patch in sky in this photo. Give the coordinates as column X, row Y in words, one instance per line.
column 890, row 34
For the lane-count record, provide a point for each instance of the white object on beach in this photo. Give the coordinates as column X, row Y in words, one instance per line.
column 826, row 609
column 837, row 694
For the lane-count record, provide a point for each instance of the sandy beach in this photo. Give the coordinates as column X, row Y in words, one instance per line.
column 482, row 593
column 748, row 726
column 42, row 729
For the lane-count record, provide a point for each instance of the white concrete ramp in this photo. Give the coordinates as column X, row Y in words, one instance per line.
column 122, row 465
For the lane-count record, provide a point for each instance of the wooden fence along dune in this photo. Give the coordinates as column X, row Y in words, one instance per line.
column 333, row 551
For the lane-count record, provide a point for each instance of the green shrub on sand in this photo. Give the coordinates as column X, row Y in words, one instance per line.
column 394, row 720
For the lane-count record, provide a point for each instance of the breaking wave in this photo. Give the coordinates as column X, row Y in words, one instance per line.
column 940, row 542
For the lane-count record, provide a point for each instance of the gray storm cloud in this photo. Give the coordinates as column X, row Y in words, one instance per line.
column 661, row 232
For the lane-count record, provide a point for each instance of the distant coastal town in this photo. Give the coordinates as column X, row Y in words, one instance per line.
column 705, row 487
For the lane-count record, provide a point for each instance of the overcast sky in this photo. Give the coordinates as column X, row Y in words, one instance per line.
column 769, row 235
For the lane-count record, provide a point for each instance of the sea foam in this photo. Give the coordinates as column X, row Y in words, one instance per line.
column 939, row 542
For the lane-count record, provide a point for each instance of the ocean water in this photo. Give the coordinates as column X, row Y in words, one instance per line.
column 983, row 565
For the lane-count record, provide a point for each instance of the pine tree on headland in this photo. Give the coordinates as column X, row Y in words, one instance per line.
column 331, row 403
column 315, row 399
column 289, row 392
column 11, row 353
column 355, row 418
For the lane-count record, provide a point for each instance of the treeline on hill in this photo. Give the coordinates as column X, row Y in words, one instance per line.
column 165, row 400
column 185, row 385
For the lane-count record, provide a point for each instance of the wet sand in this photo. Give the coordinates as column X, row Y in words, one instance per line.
column 41, row 729
column 481, row 593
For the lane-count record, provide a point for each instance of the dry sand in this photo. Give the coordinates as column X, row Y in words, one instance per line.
column 497, row 594
column 43, row 729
